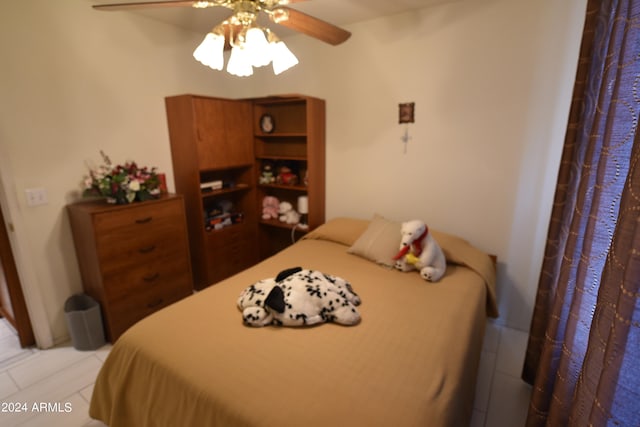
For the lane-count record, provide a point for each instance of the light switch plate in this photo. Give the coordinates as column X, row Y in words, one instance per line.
column 36, row 196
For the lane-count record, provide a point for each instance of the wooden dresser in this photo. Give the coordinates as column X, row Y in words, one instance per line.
column 133, row 259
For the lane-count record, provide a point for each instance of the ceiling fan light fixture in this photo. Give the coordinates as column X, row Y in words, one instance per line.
column 278, row 15
column 282, row 57
column 210, row 51
column 257, row 47
column 202, row 4
column 248, row 51
column 251, row 44
column 239, row 62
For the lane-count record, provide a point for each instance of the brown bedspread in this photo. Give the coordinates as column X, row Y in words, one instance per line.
column 412, row 361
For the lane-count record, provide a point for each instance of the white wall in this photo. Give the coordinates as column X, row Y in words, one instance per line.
column 491, row 80
column 75, row 81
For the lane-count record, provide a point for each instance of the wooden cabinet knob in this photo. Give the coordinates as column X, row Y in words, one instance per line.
column 147, row 249
column 151, row 278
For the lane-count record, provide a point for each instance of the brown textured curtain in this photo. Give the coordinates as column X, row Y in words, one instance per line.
column 584, row 344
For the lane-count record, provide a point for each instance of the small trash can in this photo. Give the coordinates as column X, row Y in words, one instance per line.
column 84, row 322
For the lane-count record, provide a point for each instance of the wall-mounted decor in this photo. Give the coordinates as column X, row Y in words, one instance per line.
column 406, row 112
column 405, row 116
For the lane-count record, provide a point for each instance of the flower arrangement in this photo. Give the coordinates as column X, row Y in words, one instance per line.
column 122, row 184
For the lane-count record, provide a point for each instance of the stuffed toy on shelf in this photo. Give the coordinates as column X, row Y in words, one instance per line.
column 267, row 177
column 288, row 214
column 286, row 176
column 270, row 207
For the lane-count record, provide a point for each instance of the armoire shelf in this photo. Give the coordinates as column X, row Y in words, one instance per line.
column 297, row 141
column 222, row 192
column 283, row 187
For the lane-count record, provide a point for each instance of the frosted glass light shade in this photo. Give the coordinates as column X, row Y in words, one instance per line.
column 252, row 47
column 283, row 58
column 239, row 62
column 210, row 51
column 257, row 47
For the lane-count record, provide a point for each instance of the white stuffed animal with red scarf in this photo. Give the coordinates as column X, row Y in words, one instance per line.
column 420, row 251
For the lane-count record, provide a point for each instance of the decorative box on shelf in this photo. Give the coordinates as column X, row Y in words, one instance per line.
column 211, row 185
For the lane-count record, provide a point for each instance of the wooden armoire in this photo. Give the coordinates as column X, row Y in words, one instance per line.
column 219, row 149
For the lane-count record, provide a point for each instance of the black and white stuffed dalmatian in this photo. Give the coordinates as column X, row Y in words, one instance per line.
column 298, row 297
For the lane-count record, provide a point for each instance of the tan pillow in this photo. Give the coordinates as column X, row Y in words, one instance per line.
column 339, row 230
column 380, row 242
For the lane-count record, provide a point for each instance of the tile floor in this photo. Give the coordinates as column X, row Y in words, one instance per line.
column 502, row 398
column 63, row 378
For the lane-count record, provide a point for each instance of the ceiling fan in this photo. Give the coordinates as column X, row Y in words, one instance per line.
column 245, row 12
column 251, row 45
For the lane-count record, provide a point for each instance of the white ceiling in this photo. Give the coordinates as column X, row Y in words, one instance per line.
column 338, row 12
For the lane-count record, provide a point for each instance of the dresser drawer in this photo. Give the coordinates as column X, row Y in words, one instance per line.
column 139, row 234
column 123, row 283
column 136, row 306
column 146, row 249
column 122, row 226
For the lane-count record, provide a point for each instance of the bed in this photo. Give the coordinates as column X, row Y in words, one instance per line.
column 411, row 361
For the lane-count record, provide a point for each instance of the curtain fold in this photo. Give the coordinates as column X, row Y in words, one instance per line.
column 608, row 389
column 584, row 325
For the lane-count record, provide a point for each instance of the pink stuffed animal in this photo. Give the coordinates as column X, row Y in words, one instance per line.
column 270, row 207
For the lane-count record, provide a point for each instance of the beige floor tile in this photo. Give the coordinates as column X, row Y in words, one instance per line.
column 53, row 389
column 484, row 382
column 511, row 350
column 509, row 402
column 491, row 337
column 74, row 412
column 7, row 385
column 44, row 364
column 11, row 352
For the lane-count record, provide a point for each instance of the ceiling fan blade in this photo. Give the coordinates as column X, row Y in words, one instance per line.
column 143, row 5
column 314, row 27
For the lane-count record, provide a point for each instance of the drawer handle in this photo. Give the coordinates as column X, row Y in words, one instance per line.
column 144, row 220
column 147, row 249
column 155, row 303
column 151, row 278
